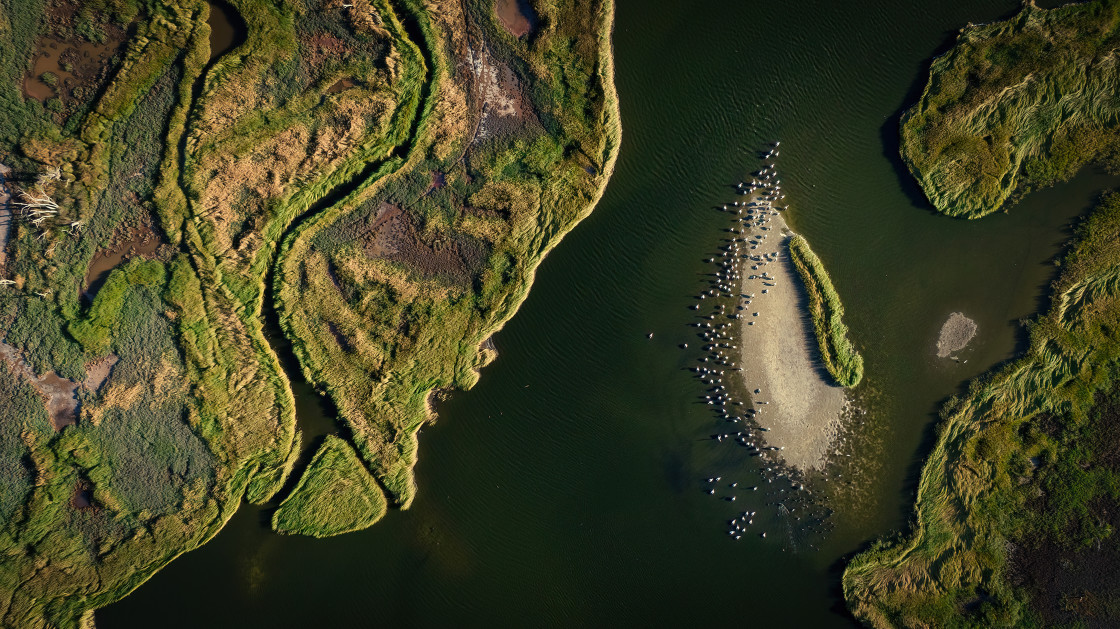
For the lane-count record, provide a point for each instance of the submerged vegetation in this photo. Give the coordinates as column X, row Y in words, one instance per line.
column 1019, row 500
column 388, row 173
column 1017, row 105
column 840, row 357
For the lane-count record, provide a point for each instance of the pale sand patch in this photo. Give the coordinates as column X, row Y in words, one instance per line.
column 956, row 333
column 802, row 406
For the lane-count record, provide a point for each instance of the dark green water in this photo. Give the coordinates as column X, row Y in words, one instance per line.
column 566, row 488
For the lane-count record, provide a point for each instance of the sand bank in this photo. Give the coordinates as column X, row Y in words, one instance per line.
column 795, row 398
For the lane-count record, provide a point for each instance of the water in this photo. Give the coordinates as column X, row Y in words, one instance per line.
column 227, row 29
column 566, row 488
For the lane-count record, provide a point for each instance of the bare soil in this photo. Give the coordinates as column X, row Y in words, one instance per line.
column 341, row 85
column 58, row 392
column 82, row 498
column 97, row 372
column 394, row 236
column 956, row 333
column 498, row 96
column 796, row 400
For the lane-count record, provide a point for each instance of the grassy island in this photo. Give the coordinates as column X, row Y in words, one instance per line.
column 1017, row 105
column 383, row 175
column 334, row 495
column 1018, row 502
column 840, row 357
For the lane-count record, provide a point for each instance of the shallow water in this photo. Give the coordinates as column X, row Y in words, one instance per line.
column 227, row 29
column 567, row 487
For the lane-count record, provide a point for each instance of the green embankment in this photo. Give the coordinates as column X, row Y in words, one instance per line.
column 1016, row 502
column 335, row 495
column 840, row 357
column 1017, row 105
column 379, row 333
column 258, row 165
column 1020, row 459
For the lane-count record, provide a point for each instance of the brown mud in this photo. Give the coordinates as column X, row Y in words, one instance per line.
column 341, row 85
column 59, row 393
column 82, row 498
column 79, row 66
column 517, row 16
column 139, row 241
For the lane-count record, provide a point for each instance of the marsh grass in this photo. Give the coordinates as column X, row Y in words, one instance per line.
column 1019, row 459
column 334, row 495
column 840, row 357
column 253, row 170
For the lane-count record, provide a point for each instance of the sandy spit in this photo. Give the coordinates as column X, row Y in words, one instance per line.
column 792, row 393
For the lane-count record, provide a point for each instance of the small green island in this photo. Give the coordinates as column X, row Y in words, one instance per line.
column 201, row 203
column 1019, row 499
column 840, row 357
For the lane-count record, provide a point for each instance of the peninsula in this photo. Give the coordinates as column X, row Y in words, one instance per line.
column 195, row 186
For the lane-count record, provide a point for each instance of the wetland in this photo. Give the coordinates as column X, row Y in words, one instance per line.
column 584, row 427
column 291, row 325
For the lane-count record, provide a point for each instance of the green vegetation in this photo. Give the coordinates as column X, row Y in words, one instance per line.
column 1017, row 105
column 1025, row 459
column 1017, row 499
column 389, row 294
column 335, row 495
column 95, row 331
column 263, row 175
column 839, row 355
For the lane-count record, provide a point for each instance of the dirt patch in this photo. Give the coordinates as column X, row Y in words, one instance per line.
column 517, row 16
column 323, row 46
column 61, row 403
column 138, row 241
column 956, row 333
column 340, row 85
column 82, row 498
column 97, row 372
column 393, row 235
column 497, row 94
